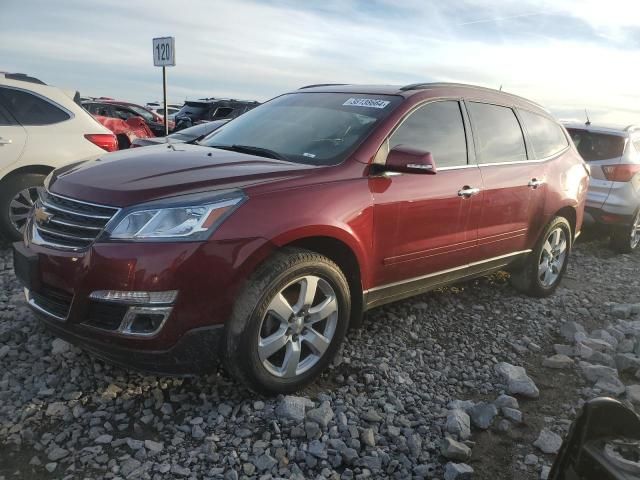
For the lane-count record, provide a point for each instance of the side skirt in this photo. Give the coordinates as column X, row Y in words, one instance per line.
column 393, row 292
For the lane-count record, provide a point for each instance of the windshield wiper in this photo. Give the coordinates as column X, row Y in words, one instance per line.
column 261, row 152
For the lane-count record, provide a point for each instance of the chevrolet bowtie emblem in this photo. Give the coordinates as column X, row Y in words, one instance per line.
column 42, row 217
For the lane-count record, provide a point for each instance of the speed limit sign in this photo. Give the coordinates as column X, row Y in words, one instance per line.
column 164, row 52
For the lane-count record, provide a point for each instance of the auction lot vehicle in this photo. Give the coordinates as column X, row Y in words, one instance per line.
column 266, row 241
column 106, row 107
column 207, row 109
column 614, row 192
column 41, row 128
column 188, row 135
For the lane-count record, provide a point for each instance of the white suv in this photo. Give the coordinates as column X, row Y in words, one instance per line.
column 41, row 128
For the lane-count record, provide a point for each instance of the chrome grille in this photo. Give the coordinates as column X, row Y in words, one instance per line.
column 66, row 223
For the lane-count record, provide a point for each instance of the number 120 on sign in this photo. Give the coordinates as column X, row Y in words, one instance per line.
column 164, row 53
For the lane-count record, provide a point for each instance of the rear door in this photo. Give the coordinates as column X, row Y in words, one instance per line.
column 422, row 224
column 507, row 174
column 13, row 136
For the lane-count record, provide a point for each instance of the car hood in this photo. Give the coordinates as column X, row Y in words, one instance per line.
column 140, row 175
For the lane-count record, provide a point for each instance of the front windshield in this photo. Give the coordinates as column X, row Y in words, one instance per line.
column 312, row 128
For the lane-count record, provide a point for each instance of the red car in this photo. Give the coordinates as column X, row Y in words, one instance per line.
column 108, row 107
column 264, row 243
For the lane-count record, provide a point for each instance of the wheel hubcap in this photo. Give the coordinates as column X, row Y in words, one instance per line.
column 635, row 231
column 21, row 205
column 298, row 327
column 553, row 257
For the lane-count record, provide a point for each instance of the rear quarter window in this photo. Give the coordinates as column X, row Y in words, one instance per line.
column 545, row 135
column 498, row 134
column 594, row 146
column 29, row 109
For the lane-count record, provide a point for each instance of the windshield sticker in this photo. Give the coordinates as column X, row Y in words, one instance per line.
column 310, row 155
column 366, row 102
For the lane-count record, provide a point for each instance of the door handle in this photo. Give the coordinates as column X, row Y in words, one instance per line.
column 4, row 141
column 535, row 183
column 468, row 192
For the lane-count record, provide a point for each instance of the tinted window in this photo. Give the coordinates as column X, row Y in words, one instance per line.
column 546, row 136
column 309, row 127
column 29, row 109
column 5, row 119
column 437, row 128
column 594, row 146
column 498, row 134
column 148, row 116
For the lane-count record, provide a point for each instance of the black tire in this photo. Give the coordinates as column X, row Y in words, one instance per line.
column 243, row 331
column 527, row 280
column 621, row 237
column 9, row 188
column 123, row 141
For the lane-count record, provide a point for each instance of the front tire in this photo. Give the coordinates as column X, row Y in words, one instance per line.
column 546, row 265
column 17, row 195
column 288, row 323
column 627, row 239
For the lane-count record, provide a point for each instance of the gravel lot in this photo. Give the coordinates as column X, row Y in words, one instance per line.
column 381, row 411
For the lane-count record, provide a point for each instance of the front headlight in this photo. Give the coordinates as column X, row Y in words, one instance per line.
column 191, row 222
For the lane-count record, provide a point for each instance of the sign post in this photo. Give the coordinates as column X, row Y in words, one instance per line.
column 164, row 55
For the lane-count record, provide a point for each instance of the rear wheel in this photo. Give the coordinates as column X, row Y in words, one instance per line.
column 288, row 323
column 547, row 264
column 18, row 193
column 627, row 239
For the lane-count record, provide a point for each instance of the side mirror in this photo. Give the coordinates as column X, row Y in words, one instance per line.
column 409, row 160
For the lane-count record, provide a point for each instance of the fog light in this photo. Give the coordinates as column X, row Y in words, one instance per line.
column 138, row 298
column 144, row 321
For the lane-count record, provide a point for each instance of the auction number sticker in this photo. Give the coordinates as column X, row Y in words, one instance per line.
column 366, row 102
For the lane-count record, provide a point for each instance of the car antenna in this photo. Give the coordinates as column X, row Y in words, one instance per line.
column 588, row 122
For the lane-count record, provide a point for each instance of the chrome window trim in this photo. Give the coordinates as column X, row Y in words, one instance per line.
column 444, row 272
column 46, row 99
column 541, row 160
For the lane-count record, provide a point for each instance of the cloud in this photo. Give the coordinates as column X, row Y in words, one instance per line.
column 567, row 54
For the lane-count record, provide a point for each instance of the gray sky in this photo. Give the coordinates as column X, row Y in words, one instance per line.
column 566, row 54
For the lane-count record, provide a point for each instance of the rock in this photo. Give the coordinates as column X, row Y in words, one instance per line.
column 293, row 408
column 104, row 439
column 512, row 414
column 134, row 444
column 506, row 401
column 367, row 437
column 548, row 441
column 633, row 394
column 531, row 459
column 349, row 455
column 458, row 423
column 265, row 462
column 454, row 450
column 50, row 467
column 457, row 471
column 600, row 358
column 606, row 336
column 321, row 415
column 598, row 345
column 464, row 405
column 180, row 471
column 372, row 463
column 56, row 453
column 482, row 414
column 59, row 347
column 153, row 447
column 224, row 409
column 518, row 383
column 611, row 385
column 627, row 362
column 583, row 351
column 544, row 472
column 318, row 449
column 621, row 311
column 558, row 361
column 569, row 329
column 128, row 466
column 594, row 372
column 57, row 409
column 567, row 350
column 371, row 416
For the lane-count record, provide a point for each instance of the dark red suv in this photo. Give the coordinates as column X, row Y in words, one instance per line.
column 265, row 242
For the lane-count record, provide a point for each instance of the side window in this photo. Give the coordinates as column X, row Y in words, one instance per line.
column 221, row 112
column 498, row 134
column 437, row 128
column 546, row 136
column 636, row 143
column 28, row 109
column 124, row 113
column 5, row 118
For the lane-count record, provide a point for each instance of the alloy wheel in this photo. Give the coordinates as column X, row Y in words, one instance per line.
column 21, row 205
column 298, row 327
column 635, row 231
column 552, row 257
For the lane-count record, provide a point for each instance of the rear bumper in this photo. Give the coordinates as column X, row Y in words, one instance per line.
column 195, row 352
column 604, row 217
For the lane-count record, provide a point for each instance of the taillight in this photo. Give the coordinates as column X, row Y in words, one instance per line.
column 106, row 141
column 621, row 173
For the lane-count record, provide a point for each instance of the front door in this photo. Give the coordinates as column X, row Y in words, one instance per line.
column 424, row 225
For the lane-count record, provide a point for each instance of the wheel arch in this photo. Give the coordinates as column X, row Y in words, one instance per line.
column 40, row 169
column 570, row 213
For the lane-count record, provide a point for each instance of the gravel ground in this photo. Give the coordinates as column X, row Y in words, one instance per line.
column 381, row 411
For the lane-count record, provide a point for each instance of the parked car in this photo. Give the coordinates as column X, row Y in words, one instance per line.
column 188, row 135
column 208, row 109
column 41, row 128
column 613, row 154
column 266, row 241
column 126, row 131
column 106, row 107
column 158, row 108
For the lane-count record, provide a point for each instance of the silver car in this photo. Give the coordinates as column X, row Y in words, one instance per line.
column 614, row 192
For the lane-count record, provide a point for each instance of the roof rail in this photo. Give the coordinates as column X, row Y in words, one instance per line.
column 23, row 77
column 323, row 85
